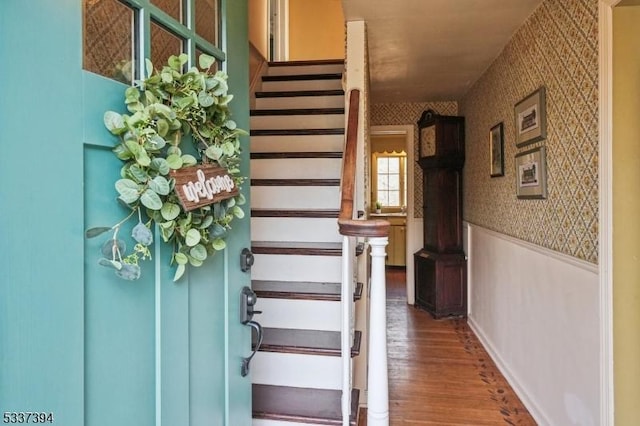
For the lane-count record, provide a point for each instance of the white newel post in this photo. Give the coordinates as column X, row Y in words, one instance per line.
column 378, row 388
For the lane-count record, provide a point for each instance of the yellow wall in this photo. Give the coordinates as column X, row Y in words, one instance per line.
column 258, row 30
column 626, row 214
column 316, row 30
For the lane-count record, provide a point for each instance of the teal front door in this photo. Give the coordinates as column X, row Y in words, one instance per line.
column 79, row 346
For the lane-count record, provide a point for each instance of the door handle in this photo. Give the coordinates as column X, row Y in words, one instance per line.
column 248, row 299
column 245, row 361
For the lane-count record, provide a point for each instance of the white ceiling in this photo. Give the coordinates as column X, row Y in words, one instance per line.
column 434, row 50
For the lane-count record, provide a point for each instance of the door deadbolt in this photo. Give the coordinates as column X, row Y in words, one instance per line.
column 246, row 260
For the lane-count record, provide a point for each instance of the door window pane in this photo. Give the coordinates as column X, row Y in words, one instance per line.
column 163, row 45
column 208, row 20
column 173, row 8
column 215, row 67
column 109, row 44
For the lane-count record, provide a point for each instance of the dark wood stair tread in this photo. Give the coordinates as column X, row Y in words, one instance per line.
column 305, row 290
column 317, row 406
column 306, row 62
column 307, row 342
column 296, row 132
column 298, row 93
column 303, row 77
column 302, row 154
column 295, row 182
column 296, row 111
column 303, row 248
column 297, row 247
column 306, row 213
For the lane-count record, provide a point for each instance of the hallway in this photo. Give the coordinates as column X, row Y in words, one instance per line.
column 439, row 373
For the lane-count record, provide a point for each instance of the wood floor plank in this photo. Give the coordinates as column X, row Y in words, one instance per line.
column 439, row 373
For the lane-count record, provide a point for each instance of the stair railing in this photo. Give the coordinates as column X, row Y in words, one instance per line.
column 376, row 232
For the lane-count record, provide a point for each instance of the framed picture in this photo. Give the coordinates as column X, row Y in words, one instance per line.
column 531, row 118
column 496, row 148
column 531, row 174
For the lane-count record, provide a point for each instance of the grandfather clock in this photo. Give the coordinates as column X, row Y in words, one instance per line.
column 440, row 266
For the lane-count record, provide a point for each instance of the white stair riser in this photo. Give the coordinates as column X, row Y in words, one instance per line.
column 295, row 229
column 286, row 267
column 294, row 102
column 314, row 121
column 290, row 85
column 295, row 197
column 296, row 168
column 297, row 370
column 263, row 422
column 306, row 143
column 299, row 314
column 307, row 69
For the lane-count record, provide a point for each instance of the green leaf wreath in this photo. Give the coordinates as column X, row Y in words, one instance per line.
column 167, row 108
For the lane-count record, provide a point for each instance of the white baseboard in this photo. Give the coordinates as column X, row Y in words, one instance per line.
column 526, row 399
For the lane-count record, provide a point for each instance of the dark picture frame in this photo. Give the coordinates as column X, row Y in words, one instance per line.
column 531, row 118
column 531, row 174
column 496, row 150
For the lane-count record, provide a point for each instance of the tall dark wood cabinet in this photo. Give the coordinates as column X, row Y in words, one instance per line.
column 441, row 266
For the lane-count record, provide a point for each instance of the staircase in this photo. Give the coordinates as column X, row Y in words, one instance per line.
column 297, row 138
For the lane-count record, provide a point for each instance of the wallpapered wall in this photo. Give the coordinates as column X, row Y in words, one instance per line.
column 556, row 47
column 409, row 113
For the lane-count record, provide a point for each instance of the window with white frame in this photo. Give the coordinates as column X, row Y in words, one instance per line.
column 389, row 180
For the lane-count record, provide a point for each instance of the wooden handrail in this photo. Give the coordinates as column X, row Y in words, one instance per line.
column 376, row 232
column 347, row 224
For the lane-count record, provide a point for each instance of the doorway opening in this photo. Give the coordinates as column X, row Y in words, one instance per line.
column 391, row 175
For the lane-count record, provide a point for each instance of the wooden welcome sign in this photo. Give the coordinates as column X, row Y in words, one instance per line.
column 204, row 184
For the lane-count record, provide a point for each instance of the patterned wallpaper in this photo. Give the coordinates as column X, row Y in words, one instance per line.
column 557, row 47
column 401, row 114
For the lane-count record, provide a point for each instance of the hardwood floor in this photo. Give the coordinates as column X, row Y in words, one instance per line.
column 439, row 373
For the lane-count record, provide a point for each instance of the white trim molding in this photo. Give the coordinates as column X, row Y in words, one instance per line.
column 414, row 238
column 605, row 256
column 561, row 257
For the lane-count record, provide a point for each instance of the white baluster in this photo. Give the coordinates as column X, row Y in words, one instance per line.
column 348, row 254
column 378, row 388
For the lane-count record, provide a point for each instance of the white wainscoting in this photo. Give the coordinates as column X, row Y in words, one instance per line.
column 536, row 311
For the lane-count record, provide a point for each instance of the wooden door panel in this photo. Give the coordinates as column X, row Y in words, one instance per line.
column 119, row 315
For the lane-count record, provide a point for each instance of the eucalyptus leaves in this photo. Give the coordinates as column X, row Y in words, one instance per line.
column 170, row 106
